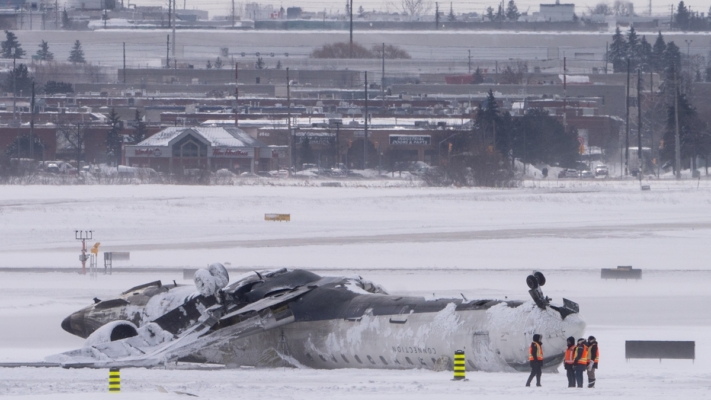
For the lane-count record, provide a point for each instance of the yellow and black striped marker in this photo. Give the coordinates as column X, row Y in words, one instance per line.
column 459, row 366
column 114, row 380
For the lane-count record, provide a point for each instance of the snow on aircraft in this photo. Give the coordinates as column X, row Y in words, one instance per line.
column 298, row 318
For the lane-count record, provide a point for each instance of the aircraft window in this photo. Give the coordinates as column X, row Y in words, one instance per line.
column 422, row 361
column 383, row 360
column 110, row 303
column 471, row 363
column 409, row 361
column 345, row 359
column 309, row 356
column 322, row 358
column 371, row 359
column 434, row 361
column 397, row 361
column 358, row 359
column 334, row 359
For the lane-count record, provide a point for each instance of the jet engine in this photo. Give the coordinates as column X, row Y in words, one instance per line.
column 209, row 281
column 112, row 331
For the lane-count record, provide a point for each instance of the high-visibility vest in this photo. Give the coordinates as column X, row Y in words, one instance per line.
column 597, row 354
column 570, row 355
column 539, row 352
column 584, row 358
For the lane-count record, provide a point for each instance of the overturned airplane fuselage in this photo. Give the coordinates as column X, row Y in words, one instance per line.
column 292, row 317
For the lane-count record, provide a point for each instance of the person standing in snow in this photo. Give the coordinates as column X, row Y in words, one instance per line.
column 593, row 358
column 535, row 358
column 569, row 362
column 580, row 359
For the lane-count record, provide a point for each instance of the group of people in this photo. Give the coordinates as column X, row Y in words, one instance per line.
column 579, row 357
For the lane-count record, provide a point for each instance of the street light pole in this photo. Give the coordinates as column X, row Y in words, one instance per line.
column 83, row 236
column 688, row 54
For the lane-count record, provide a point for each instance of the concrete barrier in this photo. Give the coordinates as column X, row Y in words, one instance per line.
column 623, row 272
column 684, row 350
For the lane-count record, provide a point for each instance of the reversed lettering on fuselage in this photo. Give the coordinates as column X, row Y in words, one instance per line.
column 414, row 350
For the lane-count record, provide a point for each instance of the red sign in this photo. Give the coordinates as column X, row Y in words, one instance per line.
column 230, row 153
column 147, row 152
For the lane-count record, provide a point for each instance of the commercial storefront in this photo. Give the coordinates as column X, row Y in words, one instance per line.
column 176, row 149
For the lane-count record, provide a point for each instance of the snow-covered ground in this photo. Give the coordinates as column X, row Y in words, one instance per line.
column 422, row 241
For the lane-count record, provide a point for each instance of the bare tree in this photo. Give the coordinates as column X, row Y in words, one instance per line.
column 415, row 8
column 601, row 8
column 72, row 137
column 623, row 8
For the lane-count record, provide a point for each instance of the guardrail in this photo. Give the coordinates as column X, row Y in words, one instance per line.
column 678, row 350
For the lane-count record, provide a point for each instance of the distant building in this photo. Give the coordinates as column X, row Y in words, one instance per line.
column 552, row 13
column 260, row 12
column 176, row 149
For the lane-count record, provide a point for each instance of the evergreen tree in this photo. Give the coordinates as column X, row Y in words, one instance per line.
column 658, row 50
column 218, row 63
column 53, row 87
column 209, row 65
column 77, row 54
column 490, row 14
column 618, row 52
column 645, row 52
column 451, row 17
column 114, row 138
column 260, row 63
column 278, row 65
column 18, row 79
column 139, row 128
column 500, row 15
column 9, row 44
column 306, row 154
column 487, row 116
column 512, row 13
column 672, row 56
column 66, row 22
column 478, row 77
column 633, row 48
column 692, row 137
column 361, row 11
column 43, row 53
column 682, row 17
column 540, row 138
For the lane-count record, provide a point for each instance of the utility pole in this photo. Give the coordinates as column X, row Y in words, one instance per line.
column 167, row 52
column 382, row 79
column 436, row 16
column 83, row 236
column 350, row 11
column 627, row 121
column 32, row 121
column 607, row 56
column 565, row 92
column 365, row 132
column 288, row 122
column 688, row 55
column 470, row 61
column 170, row 4
column 671, row 18
column 677, row 140
column 233, row 13
column 639, row 123
column 56, row 14
column 103, row 3
column 124, row 63
column 236, row 95
column 14, row 84
column 173, row 30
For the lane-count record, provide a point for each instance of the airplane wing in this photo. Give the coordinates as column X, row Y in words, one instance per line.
column 214, row 327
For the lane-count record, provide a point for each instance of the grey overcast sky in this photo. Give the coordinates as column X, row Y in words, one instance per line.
column 661, row 8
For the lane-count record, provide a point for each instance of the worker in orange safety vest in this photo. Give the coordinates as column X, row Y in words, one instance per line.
column 580, row 360
column 593, row 359
column 535, row 358
column 569, row 362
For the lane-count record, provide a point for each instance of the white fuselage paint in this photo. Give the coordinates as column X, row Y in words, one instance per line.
column 494, row 339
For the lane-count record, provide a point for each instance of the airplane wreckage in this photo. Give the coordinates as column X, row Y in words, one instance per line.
column 298, row 318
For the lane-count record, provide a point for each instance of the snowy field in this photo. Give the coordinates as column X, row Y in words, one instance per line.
column 420, row 241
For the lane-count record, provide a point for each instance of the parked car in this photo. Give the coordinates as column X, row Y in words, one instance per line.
column 586, row 175
column 601, row 170
column 568, row 173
